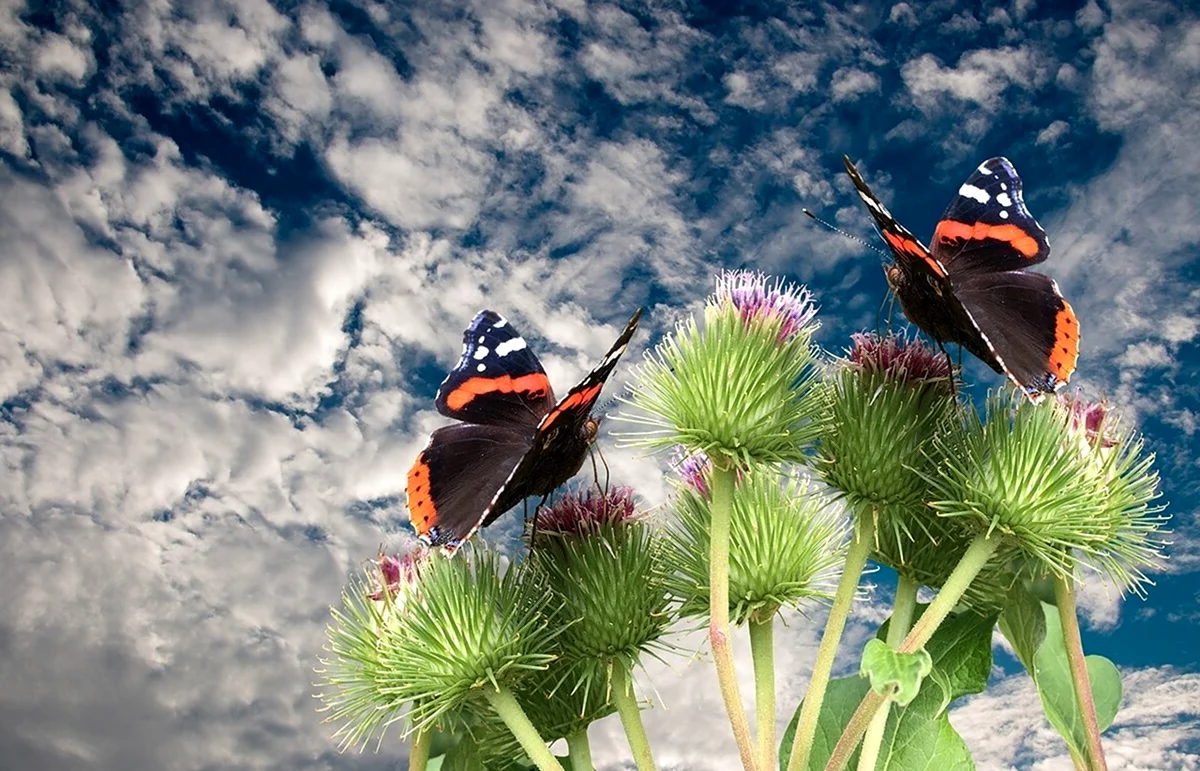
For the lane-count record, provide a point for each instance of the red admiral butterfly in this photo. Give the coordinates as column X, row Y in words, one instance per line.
column 973, row 289
column 514, row 440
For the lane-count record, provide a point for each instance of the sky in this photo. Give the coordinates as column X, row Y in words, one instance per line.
column 239, row 243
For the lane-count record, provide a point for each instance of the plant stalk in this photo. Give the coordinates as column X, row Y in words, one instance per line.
column 762, row 649
column 580, row 751
column 723, row 480
column 968, row 567
column 843, row 599
column 418, row 751
column 631, row 715
column 1064, row 595
column 903, row 607
column 506, row 706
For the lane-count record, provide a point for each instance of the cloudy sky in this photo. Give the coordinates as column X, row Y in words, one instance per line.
column 239, row 242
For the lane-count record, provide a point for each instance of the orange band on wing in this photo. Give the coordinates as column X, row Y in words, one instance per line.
column 535, row 384
column 421, row 511
column 913, row 248
column 1066, row 343
column 949, row 230
column 586, row 396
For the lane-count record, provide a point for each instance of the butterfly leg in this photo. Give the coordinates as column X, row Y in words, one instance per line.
column 533, row 527
column 950, row 365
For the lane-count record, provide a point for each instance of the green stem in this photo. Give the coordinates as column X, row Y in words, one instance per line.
column 1064, row 595
column 723, row 480
column 762, row 649
column 506, row 706
column 968, row 567
column 631, row 715
column 903, row 608
column 580, row 751
column 843, row 599
column 418, row 753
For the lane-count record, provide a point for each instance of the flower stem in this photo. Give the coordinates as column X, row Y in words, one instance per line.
column 1064, row 595
column 968, row 567
column 580, row 751
column 723, row 479
column 418, row 752
column 506, row 706
column 903, row 607
column 762, row 649
column 631, row 716
column 843, row 599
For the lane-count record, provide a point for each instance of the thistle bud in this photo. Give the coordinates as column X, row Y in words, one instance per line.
column 784, row 542
column 737, row 388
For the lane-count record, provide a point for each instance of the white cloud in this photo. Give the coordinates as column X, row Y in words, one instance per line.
column 850, row 83
column 981, row 76
column 1052, row 133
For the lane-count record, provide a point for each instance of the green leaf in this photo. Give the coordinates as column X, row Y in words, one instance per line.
column 841, row 699
column 919, row 736
column 1023, row 624
column 886, row 667
column 1051, row 670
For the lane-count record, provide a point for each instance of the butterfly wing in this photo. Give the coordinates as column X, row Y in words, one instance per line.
column 562, row 439
column 1027, row 324
column 906, row 247
column 457, row 476
column 986, row 228
column 498, row 380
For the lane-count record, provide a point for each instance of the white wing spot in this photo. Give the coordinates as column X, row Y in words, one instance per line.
column 481, row 352
column 983, row 168
column 480, row 340
column 1004, row 200
column 1003, row 185
column 509, row 346
column 503, row 322
column 1004, row 214
column 481, row 367
column 978, row 194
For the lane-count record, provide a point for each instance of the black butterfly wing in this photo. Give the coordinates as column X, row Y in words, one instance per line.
column 987, row 228
column 456, row 478
column 562, row 439
column 907, row 248
column 1028, row 325
column 498, row 380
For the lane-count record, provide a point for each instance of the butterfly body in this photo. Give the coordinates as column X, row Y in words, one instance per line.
column 972, row 288
column 514, row 439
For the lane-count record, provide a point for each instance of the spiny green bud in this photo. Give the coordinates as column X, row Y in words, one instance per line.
column 784, row 542
column 1054, row 489
column 739, row 388
column 453, row 628
column 603, row 565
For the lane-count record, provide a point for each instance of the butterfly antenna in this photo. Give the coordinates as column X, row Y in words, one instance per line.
column 851, row 236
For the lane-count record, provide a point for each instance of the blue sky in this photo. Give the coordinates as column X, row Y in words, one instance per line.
column 239, row 242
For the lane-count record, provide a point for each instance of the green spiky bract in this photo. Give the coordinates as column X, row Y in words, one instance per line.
column 876, row 432
column 1023, row 474
column 784, row 541
column 609, row 587
column 463, row 627
column 736, row 390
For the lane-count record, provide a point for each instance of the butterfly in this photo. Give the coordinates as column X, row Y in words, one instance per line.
column 513, row 439
column 972, row 288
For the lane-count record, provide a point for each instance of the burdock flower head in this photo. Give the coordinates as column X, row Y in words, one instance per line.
column 1060, row 484
column 785, row 539
column 737, row 388
column 601, row 564
column 465, row 632
column 883, row 404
